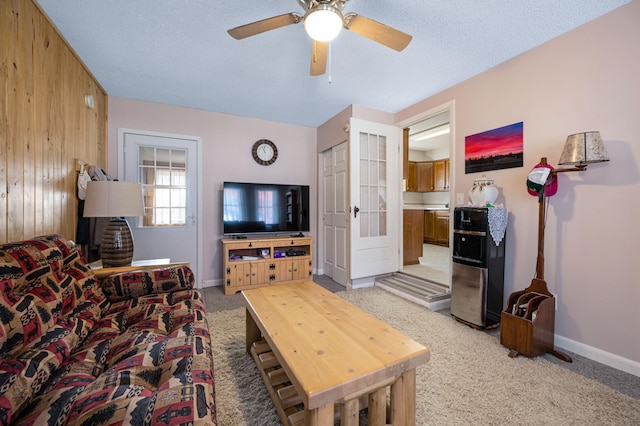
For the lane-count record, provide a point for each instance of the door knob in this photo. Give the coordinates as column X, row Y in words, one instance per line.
column 355, row 211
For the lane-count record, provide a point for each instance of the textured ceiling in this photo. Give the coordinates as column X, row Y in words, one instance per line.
column 178, row 52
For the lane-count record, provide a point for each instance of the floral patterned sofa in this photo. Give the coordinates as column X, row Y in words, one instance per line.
column 134, row 349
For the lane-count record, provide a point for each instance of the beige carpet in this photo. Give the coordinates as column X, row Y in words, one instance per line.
column 469, row 379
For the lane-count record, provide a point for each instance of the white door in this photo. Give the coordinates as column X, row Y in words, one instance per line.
column 167, row 168
column 328, row 208
column 335, row 217
column 374, row 193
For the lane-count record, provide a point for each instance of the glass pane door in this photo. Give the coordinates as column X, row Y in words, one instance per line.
column 162, row 173
column 373, row 185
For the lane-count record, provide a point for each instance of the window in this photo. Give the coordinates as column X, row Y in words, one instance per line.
column 162, row 173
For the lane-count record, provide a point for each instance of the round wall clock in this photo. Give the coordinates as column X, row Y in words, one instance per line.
column 264, row 152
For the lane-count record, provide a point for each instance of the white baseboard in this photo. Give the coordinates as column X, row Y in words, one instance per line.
column 595, row 354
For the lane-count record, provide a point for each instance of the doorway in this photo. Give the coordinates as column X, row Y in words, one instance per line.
column 359, row 204
column 429, row 148
column 167, row 167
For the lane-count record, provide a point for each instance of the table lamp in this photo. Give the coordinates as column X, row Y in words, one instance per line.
column 114, row 199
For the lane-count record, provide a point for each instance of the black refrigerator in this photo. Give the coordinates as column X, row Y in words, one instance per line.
column 477, row 281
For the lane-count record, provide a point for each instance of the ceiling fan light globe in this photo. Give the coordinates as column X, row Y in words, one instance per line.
column 323, row 23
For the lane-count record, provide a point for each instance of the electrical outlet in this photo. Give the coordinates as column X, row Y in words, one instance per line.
column 460, row 199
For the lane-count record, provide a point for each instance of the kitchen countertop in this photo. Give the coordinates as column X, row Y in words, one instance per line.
column 425, row 207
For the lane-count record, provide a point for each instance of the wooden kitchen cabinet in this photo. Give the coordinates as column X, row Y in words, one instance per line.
column 424, row 176
column 411, row 177
column 441, row 175
column 429, row 230
column 428, row 176
column 412, row 236
column 442, row 227
column 436, row 227
column 447, row 173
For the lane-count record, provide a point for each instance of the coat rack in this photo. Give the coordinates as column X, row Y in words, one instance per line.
column 538, row 284
column 528, row 322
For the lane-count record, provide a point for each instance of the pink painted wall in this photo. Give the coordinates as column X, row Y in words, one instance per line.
column 227, row 141
column 587, row 79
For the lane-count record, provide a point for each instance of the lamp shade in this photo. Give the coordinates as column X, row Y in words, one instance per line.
column 113, row 199
column 323, row 23
column 583, row 148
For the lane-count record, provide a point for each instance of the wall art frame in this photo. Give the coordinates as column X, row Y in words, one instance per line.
column 500, row 148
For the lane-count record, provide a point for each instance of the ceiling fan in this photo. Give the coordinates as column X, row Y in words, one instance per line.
column 323, row 20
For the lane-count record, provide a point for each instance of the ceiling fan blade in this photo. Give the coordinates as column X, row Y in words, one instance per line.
column 374, row 30
column 319, row 57
column 254, row 28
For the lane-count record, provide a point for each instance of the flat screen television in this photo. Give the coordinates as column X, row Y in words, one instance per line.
column 254, row 208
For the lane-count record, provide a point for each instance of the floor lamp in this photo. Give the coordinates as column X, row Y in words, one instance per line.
column 114, row 199
column 580, row 150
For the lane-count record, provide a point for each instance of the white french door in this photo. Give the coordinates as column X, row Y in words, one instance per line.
column 167, row 168
column 374, row 193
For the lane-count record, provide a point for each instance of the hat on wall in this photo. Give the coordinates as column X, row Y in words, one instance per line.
column 537, row 179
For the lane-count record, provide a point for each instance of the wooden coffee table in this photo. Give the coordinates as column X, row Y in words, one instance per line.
column 321, row 357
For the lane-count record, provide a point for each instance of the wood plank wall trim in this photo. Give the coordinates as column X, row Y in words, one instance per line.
column 44, row 125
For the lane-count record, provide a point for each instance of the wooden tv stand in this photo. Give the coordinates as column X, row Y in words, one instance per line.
column 258, row 262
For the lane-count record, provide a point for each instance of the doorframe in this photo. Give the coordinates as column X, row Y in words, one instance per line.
column 447, row 106
column 198, row 141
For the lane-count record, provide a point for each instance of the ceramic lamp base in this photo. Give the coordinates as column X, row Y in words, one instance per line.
column 117, row 244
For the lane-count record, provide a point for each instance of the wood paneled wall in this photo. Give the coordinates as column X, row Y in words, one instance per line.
column 44, row 125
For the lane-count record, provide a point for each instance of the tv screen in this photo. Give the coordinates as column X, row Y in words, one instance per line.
column 251, row 208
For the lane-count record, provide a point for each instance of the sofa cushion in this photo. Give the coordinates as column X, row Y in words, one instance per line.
column 49, row 302
column 148, row 361
column 128, row 285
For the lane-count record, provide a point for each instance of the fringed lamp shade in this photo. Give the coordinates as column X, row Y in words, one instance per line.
column 583, row 148
column 115, row 199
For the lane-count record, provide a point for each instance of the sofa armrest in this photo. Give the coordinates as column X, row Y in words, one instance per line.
column 132, row 284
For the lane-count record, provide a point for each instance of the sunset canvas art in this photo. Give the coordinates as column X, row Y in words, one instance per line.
column 496, row 149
